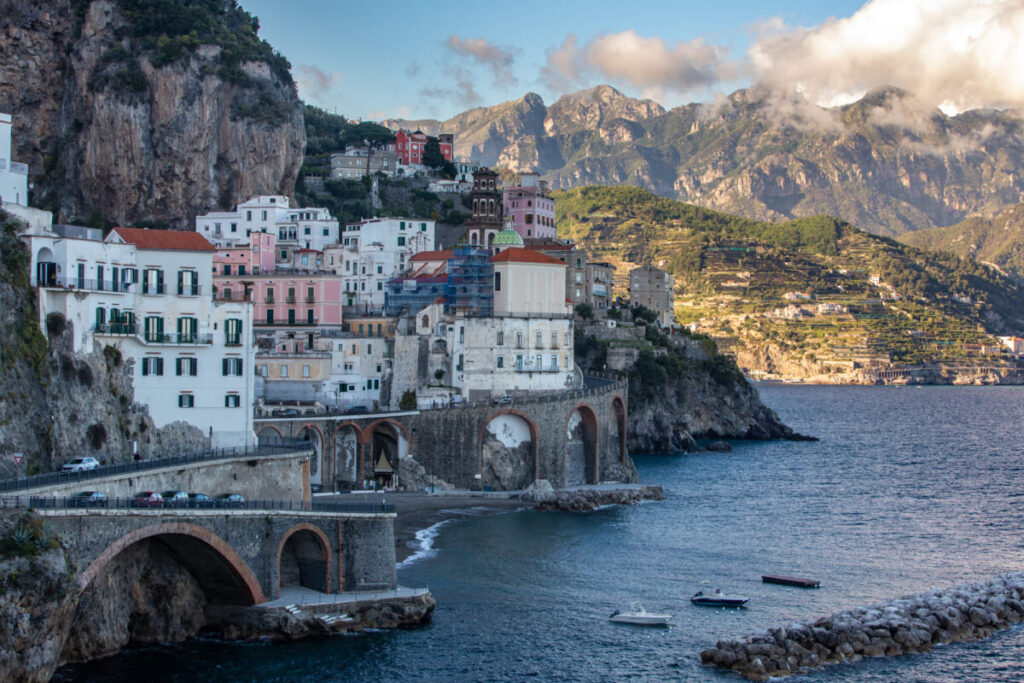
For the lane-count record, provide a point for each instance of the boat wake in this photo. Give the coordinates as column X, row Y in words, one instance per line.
column 424, row 544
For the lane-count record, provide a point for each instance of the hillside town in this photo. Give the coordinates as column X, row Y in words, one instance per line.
column 269, row 309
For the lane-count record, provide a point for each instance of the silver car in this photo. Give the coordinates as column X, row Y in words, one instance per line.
column 80, row 465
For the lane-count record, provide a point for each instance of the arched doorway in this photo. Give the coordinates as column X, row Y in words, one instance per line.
column 508, row 453
column 581, row 447
column 46, row 268
column 617, row 430
column 346, row 458
column 312, row 436
column 269, row 436
column 389, row 444
column 304, row 559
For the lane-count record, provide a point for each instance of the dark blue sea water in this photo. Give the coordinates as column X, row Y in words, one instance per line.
column 908, row 489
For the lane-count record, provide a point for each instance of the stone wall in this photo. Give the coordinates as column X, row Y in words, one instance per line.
column 274, row 477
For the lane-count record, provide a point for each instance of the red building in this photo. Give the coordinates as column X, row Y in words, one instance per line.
column 409, row 147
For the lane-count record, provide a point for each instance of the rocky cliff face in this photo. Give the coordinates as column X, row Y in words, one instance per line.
column 107, row 134
column 885, row 163
column 57, row 404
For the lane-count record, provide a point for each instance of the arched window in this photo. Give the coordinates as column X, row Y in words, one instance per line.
column 425, row 322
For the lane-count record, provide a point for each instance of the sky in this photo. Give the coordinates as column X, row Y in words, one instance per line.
column 375, row 60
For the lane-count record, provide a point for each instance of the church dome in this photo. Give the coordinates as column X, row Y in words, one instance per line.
column 508, row 238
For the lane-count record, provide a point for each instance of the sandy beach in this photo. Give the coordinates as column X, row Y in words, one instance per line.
column 418, row 511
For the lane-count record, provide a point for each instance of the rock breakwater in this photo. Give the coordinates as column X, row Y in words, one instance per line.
column 545, row 497
column 915, row 623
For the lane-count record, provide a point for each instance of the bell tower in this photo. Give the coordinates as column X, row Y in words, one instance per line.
column 485, row 222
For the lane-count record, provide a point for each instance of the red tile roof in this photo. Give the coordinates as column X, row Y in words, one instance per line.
column 517, row 255
column 175, row 240
column 433, row 255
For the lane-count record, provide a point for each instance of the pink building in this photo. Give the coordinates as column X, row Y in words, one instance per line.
column 252, row 259
column 531, row 208
column 409, row 147
column 285, row 299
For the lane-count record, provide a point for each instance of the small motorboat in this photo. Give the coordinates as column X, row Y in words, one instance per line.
column 718, row 599
column 638, row 615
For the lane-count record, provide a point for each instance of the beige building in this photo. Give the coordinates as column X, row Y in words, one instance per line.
column 652, row 287
column 356, row 162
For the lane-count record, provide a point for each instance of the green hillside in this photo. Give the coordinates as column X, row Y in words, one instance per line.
column 815, row 295
column 998, row 240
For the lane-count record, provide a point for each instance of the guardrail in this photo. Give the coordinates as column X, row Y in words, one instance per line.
column 55, row 478
column 144, row 504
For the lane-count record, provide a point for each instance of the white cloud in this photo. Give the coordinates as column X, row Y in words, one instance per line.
column 955, row 54
column 629, row 58
column 498, row 59
column 315, row 84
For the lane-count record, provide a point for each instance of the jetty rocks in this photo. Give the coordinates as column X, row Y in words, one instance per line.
column 587, row 499
column 915, row 623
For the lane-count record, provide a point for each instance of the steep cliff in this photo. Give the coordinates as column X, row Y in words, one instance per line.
column 885, row 163
column 56, row 404
column 118, row 126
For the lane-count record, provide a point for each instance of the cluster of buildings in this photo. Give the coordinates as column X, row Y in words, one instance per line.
column 270, row 305
column 402, row 157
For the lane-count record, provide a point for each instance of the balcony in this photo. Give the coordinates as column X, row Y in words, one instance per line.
column 176, row 339
column 116, row 329
column 531, row 367
column 310, row 299
column 290, row 299
column 89, row 285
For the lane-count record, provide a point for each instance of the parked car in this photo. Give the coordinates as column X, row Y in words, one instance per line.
column 356, row 410
column 288, row 412
column 230, row 500
column 80, row 465
column 199, row 500
column 88, row 499
column 146, row 499
column 175, row 499
column 502, row 400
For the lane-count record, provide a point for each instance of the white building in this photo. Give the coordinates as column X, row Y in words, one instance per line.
column 525, row 346
column 295, row 228
column 13, row 175
column 148, row 293
column 374, row 251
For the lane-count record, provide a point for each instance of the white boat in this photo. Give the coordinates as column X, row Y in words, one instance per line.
column 719, row 599
column 638, row 615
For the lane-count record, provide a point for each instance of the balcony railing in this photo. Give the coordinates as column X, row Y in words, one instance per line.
column 290, row 299
column 536, row 368
column 87, row 284
column 116, row 329
column 175, row 338
column 310, row 299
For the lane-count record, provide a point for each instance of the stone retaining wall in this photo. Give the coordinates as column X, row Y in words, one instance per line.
column 915, row 623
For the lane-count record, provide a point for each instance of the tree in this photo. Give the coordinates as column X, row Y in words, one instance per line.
column 432, row 157
column 585, row 311
column 408, row 400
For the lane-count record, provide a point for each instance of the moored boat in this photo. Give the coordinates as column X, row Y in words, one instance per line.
column 639, row 616
column 718, row 599
column 791, row 581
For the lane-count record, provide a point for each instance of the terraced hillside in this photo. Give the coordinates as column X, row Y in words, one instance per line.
column 813, row 298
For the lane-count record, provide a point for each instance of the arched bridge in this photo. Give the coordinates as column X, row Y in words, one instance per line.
column 238, row 556
column 568, row 438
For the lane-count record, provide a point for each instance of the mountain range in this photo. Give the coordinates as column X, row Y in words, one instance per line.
column 885, row 163
column 996, row 240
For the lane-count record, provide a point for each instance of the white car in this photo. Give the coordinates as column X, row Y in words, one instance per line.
column 80, row 465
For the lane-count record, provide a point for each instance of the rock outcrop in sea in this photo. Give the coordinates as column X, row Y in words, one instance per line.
column 914, row 623
column 546, row 497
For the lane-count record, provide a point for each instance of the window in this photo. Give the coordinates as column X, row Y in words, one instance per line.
column 305, row 231
column 519, row 362
column 152, row 365
column 270, row 317
column 423, row 227
column 554, row 340
column 234, row 227
column 310, row 298
column 519, row 340
column 401, row 225
column 497, row 282
column 248, row 216
column 462, row 335
column 540, row 340
column 227, row 294
column 101, row 318
column 233, row 331
column 186, row 401
column 380, row 270
column 187, row 329
column 343, row 388
column 241, row 270
column 232, row 401
column 380, row 285
column 270, row 295
column 99, row 278
column 262, row 370
column 425, row 321
column 186, row 365
column 284, row 254
column 153, row 329
column 152, row 281
column 554, row 362
column 529, row 219
column 501, row 361
column 501, row 338
column 231, row 367
column 309, row 317
column 401, row 240
column 305, row 371
column 284, row 370
column 565, row 339
column 226, row 269
column 264, row 215
column 458, row 366
column 326, row 232
column 291, row 295
column 369, row 348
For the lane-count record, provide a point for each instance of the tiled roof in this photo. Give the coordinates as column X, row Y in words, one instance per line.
column 517, row 255
column 433, row 255
column 174, row 240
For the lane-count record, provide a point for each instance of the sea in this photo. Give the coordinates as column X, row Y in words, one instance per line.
column 908, row 489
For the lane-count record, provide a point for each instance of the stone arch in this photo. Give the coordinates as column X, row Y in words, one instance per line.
column 304, row 558
column 223, row 575
column 619, row 424
column 269, row 435
column 394, row 446
column 46, row 267
column 508, row 447
column 311, row 432
column 347, row 439
column 581, row 446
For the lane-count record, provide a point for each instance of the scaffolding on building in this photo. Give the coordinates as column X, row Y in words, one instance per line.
column 470, row 288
